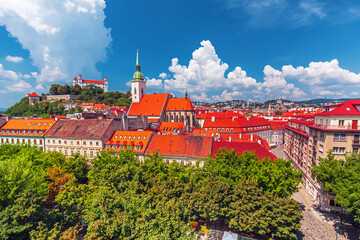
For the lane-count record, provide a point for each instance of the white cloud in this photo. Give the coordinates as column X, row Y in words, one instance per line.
column 202, row 97
column 64, row 38
column 40, row 87
column 14, row 59
column 321, row 73
column 227, row 96
column 20, row 86
column 354, row 93
column 206, row 71
column 8, row 74
column 275, row 85
column 154, row 83
column 163, row 75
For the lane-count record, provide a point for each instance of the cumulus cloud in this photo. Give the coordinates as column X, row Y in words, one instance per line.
column 322, row 73
column 154, row 83
column 14, row 59
column 206, row 71
column 64, row 38
column 207, row 74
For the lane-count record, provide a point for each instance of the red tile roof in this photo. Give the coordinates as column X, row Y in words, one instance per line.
column 203, row 132
column 29, row 125
column 219, row 115
column 80, row 128
column 181, row 145
column 2, row 122
column 123, row 139
column 94, row 81
column 183, row 104
column 239, row 124
column 245, row 138
column 242, row 147
column 171, row 127
column 33, row 95
column 278, row 125
column 149, row 105
column 351, row 107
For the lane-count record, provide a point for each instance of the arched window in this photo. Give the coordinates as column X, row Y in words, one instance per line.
column 134, row 90
column 142, row 91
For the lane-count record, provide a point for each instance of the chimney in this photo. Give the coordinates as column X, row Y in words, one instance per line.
column 252, row 137
column 240, row 136
column 229, row 139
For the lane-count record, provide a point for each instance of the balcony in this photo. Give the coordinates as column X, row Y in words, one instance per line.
column 337, row 127
column 356, row 142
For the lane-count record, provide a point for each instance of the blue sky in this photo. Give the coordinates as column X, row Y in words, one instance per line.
column 214, row 49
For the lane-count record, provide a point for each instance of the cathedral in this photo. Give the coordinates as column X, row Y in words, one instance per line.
column 161, row 107
column 82, row 83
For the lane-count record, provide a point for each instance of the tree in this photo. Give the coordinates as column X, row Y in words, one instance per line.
column 75, row 90
column 54, row 89
column 343, row 178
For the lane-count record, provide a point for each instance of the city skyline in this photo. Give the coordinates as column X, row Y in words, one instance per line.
column 214, row 50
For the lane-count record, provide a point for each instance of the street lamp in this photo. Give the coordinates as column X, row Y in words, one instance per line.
column 337, row 229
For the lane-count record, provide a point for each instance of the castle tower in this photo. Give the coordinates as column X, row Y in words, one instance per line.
column 75, row 81
column 138, row 83
column 106, row 84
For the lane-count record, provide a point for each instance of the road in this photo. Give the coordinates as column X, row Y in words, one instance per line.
column 318, row 225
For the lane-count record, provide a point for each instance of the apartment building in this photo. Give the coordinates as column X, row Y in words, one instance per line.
column 26, row 131
column 86, row 137
column 307, row 139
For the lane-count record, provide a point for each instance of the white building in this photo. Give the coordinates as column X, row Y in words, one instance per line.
column 82, row 83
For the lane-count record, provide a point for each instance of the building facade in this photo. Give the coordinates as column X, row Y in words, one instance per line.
column 26, row 131
column 335, row 130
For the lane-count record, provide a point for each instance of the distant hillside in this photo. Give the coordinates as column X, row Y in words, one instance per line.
column 325, row 101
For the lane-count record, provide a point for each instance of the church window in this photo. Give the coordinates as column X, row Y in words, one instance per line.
column 142, row 91
column 134, row 90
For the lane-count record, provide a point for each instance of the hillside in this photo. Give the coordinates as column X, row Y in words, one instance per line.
column 86, row 94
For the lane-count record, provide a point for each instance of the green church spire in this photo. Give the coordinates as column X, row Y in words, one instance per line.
column 138, row 76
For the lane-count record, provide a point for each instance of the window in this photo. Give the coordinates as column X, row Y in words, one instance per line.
column 129, row 147
column 144, row 137
column 85, row 153
column 134, row 137
column 35, row 132
column 91, row 153
column 139, row 137
column 341, row 122
column 116, row 137
column 84, row 142
column 322, row 135
column 59, row 141
column 72, row 152
column 53, row 141
column 338, row 150
column 91, row 143
column 114, row 146
column 97, row 143
column 321, row 148
column 40, row 141
column 77, row 142
column 24, row 132
column 66, row 152
column 71, row 142
column 48, row 141
column 339, row 137
column 124, row 137
column 65, row 142
column 138, row 148
column 321, row 122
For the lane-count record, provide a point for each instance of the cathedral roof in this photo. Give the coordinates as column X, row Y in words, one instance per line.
column 179, row 104
column 149, row 105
